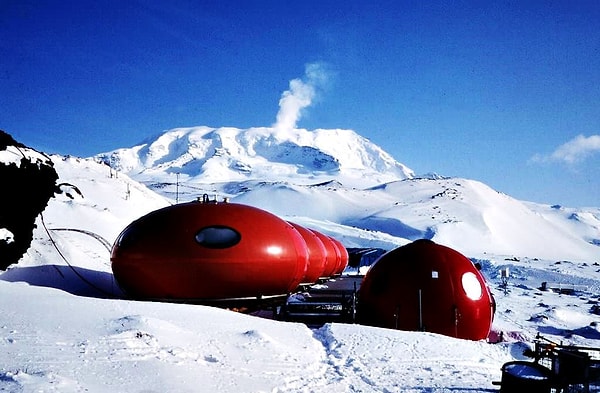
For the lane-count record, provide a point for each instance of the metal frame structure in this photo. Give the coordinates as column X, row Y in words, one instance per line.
column 574, row 368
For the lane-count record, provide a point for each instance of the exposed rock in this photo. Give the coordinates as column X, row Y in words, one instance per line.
column 28, row 182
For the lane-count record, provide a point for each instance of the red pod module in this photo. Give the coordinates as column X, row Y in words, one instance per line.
column 316, row 254
column 203, row 251
column 331, row 254
column 429, row 287
column 344, row 256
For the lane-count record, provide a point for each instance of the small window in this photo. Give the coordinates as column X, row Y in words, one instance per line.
column 471, row 286
column 218, row 237
column 128, row 237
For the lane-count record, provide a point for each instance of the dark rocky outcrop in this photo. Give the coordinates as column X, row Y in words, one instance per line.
column 26, row 185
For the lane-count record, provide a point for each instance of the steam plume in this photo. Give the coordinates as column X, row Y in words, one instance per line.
column 299, row 96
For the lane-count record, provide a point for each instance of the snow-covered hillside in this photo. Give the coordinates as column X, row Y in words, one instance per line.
column 66, row 328
column 464, row 214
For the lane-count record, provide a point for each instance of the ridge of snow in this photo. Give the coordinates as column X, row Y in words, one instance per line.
column 14, row 155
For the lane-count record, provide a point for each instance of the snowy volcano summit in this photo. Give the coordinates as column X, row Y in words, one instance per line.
column 214, row 155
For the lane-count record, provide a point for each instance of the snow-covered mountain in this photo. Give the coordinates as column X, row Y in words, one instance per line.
column 342, row 179
column 204, row 154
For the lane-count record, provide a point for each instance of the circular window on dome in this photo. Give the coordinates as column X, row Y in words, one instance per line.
column 471, row 286
column 218, row 237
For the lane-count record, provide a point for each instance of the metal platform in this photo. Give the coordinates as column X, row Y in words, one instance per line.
column 333, row 300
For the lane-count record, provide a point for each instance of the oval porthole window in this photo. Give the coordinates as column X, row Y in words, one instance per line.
column 472, row 286
column 128, row 237
column 218, row 237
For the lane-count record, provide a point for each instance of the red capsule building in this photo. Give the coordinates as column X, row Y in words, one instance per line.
column 342, row 263
column 316, row 254
column 205, row 251
column 424, row 286
column 331, row 254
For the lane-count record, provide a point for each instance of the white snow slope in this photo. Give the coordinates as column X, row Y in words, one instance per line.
column 65, row 326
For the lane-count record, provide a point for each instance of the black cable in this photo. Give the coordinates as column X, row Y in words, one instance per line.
column 71, row 266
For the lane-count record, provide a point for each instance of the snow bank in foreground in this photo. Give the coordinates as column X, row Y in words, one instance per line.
column 53, row 340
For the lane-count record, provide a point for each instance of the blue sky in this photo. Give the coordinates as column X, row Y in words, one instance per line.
column 504, row 92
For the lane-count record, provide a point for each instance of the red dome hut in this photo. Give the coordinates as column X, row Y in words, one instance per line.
column 424, row 286
column 206, row 251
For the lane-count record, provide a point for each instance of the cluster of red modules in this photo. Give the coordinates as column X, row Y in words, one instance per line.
column 202, row 251
column 209, row 251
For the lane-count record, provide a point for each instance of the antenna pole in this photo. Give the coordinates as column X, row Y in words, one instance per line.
column 177, row 189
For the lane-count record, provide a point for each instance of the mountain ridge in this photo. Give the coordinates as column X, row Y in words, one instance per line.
column 206, row 154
